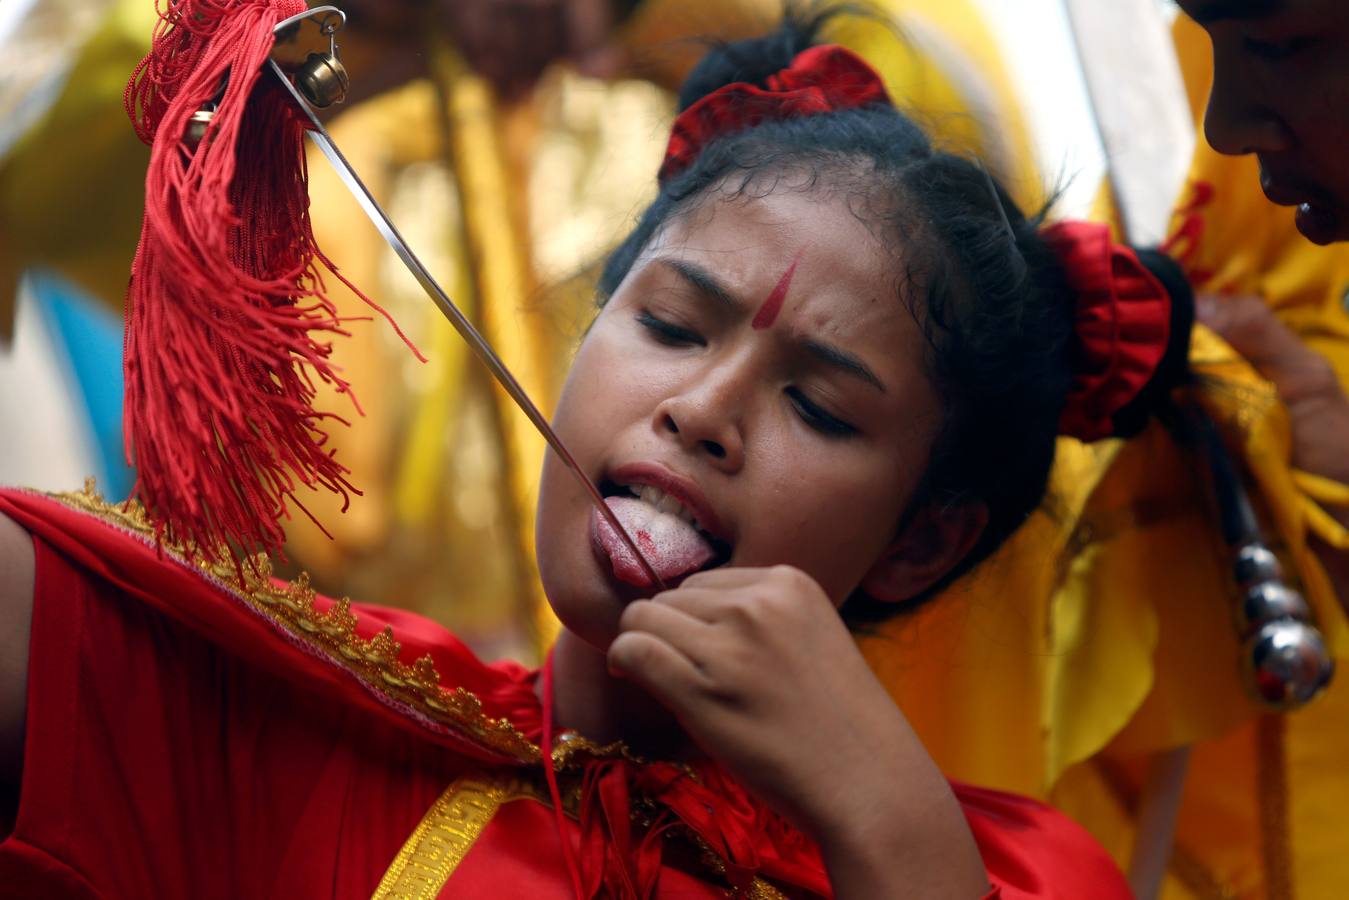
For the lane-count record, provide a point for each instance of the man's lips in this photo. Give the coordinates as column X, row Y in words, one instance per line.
column 1281, row 194
column 677, row 486
column 1317, row 217
column 1285, row 191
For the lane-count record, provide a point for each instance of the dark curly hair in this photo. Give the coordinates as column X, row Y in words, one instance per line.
column 988, row 291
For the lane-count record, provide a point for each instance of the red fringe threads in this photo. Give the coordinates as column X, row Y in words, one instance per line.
column 228, row 328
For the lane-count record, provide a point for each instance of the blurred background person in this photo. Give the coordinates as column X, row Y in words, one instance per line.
column 511, row 140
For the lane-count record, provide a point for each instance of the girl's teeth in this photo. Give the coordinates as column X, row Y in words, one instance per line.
column 662, row 502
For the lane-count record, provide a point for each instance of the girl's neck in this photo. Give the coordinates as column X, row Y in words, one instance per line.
column 602, row 708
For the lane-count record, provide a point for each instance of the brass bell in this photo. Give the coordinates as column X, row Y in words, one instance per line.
column 196, row 126
column 323, row 80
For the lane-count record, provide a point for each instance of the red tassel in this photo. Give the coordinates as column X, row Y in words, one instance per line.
column 228, row 327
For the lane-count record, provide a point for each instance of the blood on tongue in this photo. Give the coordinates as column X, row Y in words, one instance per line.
column 672, row 546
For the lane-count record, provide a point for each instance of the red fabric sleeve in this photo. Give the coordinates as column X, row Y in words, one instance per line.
column 1033, row 852
column 157, row 764
column 171, row 586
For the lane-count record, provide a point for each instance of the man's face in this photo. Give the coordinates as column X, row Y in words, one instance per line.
column 1281, row 91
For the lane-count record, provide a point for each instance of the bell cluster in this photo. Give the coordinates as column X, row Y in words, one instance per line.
column 1284, row 657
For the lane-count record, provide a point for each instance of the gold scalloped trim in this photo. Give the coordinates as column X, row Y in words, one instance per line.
column 375, row 662
column 333, row 633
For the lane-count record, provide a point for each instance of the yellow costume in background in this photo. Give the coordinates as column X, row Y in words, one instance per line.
column 1102, row 634
column 1099, row 636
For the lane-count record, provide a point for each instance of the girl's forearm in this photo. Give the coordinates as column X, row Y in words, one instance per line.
column 920, row 848
column 894, row 827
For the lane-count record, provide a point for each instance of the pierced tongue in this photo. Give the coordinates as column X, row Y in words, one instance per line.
column 671, row 545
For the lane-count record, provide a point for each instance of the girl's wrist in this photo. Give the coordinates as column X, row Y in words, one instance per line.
column 891, row 820
column 903, row 846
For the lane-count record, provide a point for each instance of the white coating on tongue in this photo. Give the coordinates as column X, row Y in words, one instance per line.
column 672, row 546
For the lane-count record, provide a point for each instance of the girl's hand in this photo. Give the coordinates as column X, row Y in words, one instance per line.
column 763, row 674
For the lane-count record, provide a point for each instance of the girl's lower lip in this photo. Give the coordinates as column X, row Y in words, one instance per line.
column 1317, row 224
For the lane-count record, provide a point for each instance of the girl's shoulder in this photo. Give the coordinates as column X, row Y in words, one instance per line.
column 404, row 669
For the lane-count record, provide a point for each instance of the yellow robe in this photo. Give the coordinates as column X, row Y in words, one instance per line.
column 1103, row 633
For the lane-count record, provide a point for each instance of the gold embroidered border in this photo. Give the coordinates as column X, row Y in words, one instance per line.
column 333, row 632
column 758, row 888
column 448, row 830
column 453, row 824
column 443, row 838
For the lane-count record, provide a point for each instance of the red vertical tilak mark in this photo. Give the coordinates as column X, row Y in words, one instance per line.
column 768, row 313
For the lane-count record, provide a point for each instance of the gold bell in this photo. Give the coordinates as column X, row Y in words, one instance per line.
column 323, row 80
column 196, row 126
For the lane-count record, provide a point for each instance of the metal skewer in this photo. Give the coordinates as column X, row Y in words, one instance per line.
column 319, row 135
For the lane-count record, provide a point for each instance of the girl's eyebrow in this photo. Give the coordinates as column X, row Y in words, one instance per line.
column 843, row 361
column 702, row 280
column 707, row 284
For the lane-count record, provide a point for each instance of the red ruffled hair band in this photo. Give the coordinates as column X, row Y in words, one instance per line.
column 1122, row 326
column 1123, row 318
column 821, row 79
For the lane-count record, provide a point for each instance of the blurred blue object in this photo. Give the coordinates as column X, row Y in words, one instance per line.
column 91, row 338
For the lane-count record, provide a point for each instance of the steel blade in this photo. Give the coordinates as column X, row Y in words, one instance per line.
column 1139, row 102
column 481, row 348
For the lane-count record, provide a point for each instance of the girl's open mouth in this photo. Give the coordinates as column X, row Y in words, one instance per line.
column 662, row 527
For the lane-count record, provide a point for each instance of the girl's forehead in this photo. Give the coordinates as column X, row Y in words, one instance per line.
column 793, row 264
column 750, row 239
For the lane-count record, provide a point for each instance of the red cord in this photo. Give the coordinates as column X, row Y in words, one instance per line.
column 229, row 329
column 546, row 751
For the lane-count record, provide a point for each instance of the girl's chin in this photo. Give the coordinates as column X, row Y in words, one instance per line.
column 589, row 604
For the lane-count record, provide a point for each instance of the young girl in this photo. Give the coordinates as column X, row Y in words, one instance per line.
column 826, row 379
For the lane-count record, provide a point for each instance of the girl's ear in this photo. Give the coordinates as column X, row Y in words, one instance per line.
column 933, row 542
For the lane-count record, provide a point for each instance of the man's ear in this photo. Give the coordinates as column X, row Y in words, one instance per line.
column 931, row 544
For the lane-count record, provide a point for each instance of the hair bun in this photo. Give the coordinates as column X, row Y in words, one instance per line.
column 1130, row 337
column 1175, row 364
column 752, row 60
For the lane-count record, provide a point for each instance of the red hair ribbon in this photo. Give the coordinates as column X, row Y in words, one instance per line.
column 228, row 327
column 1122, row 326
column 821, row 79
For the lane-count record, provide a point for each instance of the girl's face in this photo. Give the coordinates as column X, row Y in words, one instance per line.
column 758, row 365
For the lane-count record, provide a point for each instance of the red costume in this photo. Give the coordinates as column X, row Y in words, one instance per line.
column 191, row 737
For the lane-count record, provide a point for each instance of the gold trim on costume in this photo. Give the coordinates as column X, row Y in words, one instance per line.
column 332, row 632
column 444, row 836
column 448, row 830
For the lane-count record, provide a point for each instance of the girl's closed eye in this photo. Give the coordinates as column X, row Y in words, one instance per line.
column 668, row 333
column 817, row 417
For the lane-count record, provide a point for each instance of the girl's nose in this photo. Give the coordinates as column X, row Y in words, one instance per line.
column 705, row 423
